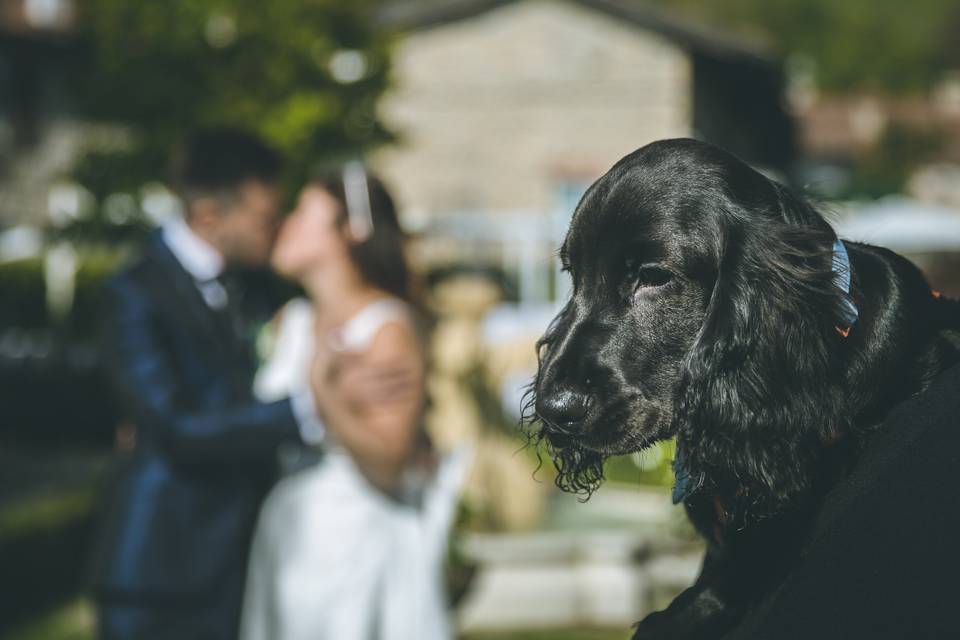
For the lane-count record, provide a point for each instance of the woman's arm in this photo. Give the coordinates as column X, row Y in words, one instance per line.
column 379, row 434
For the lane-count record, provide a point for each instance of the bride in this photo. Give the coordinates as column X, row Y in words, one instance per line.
column 352, row 547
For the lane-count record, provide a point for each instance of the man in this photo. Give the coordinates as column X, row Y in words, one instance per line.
column 172, row 557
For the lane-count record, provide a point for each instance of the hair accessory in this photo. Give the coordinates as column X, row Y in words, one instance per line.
column 357, row 193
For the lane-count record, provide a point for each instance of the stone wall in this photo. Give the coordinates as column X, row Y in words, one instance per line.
column 495, row 112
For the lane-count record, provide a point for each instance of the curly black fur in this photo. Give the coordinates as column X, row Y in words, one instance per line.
column 579, row 470
column 705, row 307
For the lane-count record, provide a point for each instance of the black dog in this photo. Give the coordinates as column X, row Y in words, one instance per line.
column 712, row 304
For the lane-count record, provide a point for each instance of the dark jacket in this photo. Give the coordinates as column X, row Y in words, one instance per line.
column 180, row 517
column 884, row 560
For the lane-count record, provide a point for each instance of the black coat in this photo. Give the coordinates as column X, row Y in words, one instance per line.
column 179, row 518
column 884, row 560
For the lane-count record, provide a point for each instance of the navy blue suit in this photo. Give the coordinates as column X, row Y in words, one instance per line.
column 171, row 557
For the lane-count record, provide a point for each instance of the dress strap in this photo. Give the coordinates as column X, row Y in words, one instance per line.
column 358, row 332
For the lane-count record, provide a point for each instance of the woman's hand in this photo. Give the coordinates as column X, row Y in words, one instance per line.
column 372, row 402
column 360, row 384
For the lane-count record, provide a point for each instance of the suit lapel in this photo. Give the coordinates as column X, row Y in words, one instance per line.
column 181, row 296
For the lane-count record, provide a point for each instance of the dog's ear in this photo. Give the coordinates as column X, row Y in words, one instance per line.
column 758, row 396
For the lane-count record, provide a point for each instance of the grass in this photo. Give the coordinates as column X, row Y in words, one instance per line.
column 75, row 621
column 45, row 513
column 71, row 622
column 43, row 550
column 555, row 634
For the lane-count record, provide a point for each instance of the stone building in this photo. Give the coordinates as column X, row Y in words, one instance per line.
column 506, row 105
column 507, row 109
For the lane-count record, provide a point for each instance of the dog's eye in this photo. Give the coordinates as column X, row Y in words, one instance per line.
column 650, row 276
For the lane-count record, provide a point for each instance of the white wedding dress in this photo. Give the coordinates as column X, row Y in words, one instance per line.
column 333, row 558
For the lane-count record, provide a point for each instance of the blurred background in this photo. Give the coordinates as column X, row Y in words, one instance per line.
column 488, row 119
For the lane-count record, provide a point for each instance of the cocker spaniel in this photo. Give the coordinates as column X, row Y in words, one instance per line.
column 715, row 305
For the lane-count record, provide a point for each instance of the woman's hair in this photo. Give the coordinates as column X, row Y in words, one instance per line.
column 381, row 256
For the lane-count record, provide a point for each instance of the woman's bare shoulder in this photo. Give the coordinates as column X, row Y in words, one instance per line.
column 397, row 333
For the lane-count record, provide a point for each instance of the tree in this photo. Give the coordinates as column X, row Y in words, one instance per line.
column 874, row 45
column 305, row 74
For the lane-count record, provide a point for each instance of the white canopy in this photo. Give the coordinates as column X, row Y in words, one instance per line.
column 903, row 224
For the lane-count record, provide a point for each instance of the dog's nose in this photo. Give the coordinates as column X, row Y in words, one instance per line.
column 563, row 409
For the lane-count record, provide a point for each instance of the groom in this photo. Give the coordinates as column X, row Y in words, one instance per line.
column 171, row 559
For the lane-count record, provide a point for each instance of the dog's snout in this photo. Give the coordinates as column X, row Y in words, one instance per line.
column 563, row 409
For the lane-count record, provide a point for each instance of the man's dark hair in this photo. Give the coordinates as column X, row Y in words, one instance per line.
column 215, row 162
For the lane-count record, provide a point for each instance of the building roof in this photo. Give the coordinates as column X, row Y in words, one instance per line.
column 415, row 15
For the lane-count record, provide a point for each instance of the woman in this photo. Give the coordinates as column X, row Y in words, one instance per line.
column 352, row 547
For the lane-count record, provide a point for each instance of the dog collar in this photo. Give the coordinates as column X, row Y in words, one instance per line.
column 684, row 486
column 841, row 278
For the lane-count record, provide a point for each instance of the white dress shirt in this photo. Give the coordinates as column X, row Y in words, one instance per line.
column 205, row 264
column 198, row 259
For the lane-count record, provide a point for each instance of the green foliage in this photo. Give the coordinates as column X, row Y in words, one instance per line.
column 47, row 514
column 124, row 170
column 165, row 68
column 74, row 621
column 899, row 152
column 652, row 467
column 883, row 45
column 23, row 294
column 94, row 269
column 43, row 542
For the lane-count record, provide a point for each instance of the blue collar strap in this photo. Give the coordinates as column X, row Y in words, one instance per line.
column 685, row 485
column 841, row 278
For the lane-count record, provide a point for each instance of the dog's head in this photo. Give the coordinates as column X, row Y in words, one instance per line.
column 703, row 303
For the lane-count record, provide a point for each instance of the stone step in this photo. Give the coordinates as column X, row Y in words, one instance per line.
column 545, row 580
